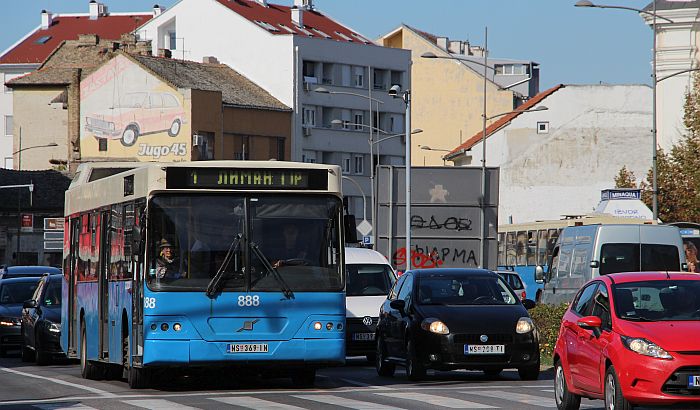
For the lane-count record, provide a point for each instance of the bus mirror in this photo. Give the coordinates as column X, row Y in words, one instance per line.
column 350, row 229
column 539, row 274
column 595, row 264
column 136, row 240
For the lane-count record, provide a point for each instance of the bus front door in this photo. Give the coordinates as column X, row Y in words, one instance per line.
column 73, row 325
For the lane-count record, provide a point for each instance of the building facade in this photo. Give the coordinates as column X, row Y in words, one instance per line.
column 29, row 52
column 290, row 52
column 556, row 162
column 448, row 94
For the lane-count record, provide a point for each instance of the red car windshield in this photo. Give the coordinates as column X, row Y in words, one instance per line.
column 658, row 300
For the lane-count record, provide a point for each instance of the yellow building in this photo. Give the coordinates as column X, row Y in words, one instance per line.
column 447, row 95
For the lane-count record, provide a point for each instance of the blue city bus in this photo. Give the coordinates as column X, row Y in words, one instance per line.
column 525, row 246
column 217, row 263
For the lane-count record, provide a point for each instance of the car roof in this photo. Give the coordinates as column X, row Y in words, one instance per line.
column 364, row 255
column 32, row 269
column 20, row 279
column 627, row 277
column 422, row 273
column 507, row 272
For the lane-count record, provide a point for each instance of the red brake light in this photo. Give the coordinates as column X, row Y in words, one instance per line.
column 523, row 295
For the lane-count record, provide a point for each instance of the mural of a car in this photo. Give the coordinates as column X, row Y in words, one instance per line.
column 137, row 114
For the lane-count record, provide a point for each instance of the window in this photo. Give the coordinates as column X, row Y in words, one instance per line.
column 266, row 26
column 343, row 36
column 9, row 163
column 359, row 121
column 601, row 307
column 510, row 249
column 580, row 262
column 169, row 101
column 511, row 69
column 379, row 83
column 42, row 40
column 521, row 249
column 359, row 164
column 309, row 69
column 396, row 78
column 172, row 40
column 309, row 116
column 345, row 164
column 564, row 262
column 531, row 248
column 287, row 28
column 583, row 302
column 321, row 33
column 358, row 77
column 405, row 292
column 501, row 249
column 328, row 74
column 280, row 149
column 156, row 100
column 397, row 286
column 9, row 125
column 543, row 127
column 206, row 150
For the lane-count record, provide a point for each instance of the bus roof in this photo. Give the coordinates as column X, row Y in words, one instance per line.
column 591, row 219
column 105, row 183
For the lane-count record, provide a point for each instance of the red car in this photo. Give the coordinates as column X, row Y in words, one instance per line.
column 631, row 339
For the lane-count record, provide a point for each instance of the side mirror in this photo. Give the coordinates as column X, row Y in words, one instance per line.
column 539, row 274
column 136, row 240
column 529, row 304
column 350, row 229
column 398, row 304
column 594, row 264
column 29, row 304
column 589, row 322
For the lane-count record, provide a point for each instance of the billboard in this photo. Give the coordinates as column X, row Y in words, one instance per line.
column 128, row 113
column 446, row 216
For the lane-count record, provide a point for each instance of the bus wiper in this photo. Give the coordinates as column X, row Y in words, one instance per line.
column 286, row 290
column 216, row 281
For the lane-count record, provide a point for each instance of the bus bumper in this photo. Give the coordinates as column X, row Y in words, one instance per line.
column 324, row 352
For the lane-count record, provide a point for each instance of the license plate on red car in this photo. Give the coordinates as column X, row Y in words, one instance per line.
column 693, row 381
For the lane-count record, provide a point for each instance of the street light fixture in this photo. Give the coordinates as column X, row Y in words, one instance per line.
column 655, row 81
column 534, row 109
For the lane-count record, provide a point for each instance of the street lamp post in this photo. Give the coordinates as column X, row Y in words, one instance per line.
column 654, row 182
column 428, row 148
column 396, row 92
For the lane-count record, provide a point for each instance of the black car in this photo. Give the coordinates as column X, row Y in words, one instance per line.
column 41, row 322
column 27, row 271
column 13, row 293
column 447, row 319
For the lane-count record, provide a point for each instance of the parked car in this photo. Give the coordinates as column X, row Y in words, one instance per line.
column 584, row 252
column 448, row 319
column 137, row 114
column 13, row 293
column 513, row 280
column 369, row 279
column 631, row 339
column 24, row 271
column 41, row 322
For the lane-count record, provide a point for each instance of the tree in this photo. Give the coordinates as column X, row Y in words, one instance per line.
column 625, row 178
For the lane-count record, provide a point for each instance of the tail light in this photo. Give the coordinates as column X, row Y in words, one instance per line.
column 523, row 295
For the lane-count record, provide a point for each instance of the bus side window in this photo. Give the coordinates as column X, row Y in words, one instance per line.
column 531, row 248
column 510, row 249
column 521, row 248
column 541, row 247
column 501, row 249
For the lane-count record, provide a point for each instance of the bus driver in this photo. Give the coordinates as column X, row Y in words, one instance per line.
column 167, row 265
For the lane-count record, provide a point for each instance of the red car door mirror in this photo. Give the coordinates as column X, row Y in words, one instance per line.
column 589, row 322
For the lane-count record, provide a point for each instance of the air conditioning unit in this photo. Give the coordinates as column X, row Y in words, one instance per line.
column 197, row 140
column 306, row 131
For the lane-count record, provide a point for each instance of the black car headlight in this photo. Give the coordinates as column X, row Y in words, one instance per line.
column 524, row 325
column 9, row 321
column 436, row 326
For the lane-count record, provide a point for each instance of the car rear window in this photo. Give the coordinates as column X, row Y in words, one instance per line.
column 635, row 257
column 369, row 280
column 17, row 292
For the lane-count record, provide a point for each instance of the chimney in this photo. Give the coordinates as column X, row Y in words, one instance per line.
column 97, row 10
column 88, row 39
column 304, row 4
column 46, row 19
column 165, row 53
column 262, row 2
column 443, row 42
column 157, row 10
column 210, row 60
column 297, row 16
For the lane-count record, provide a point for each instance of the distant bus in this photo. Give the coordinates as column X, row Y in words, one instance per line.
column 522, row 247
column 236, row 287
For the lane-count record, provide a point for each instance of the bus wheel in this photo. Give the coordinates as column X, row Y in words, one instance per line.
column 138, row 378
column 304, row 377
column 88, row 369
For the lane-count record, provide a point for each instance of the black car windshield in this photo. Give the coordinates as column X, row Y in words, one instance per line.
column 369, row 280
column 658, row 300
column 52, row 295
column 16, row 292
column 464, row 290
column 195, row 236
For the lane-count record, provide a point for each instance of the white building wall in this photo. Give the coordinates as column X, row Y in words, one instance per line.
column 7, row 73
column 593, row 131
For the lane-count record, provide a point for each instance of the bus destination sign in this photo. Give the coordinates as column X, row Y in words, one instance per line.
column 246, row 178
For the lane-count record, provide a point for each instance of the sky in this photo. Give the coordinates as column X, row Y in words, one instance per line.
column 572, row 45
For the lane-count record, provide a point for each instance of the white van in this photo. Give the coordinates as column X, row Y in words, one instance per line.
column 369, row 280
column 584, row 252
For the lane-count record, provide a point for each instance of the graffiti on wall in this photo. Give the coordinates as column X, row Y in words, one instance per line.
column 126, row 112
column 434, row 257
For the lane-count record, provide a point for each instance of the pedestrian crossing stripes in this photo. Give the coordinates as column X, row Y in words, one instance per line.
column 391, row 400
column 437, row 400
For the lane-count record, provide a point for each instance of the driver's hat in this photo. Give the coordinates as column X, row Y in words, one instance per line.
column 164, row 243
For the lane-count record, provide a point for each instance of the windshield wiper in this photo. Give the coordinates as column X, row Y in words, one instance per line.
column 286, row 290
column 638, row 318
column 216, row 281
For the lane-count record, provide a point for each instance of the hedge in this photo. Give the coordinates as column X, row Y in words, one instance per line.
column 547, row 318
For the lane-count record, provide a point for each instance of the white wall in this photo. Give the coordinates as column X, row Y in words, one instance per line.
column 7, row 73
column 593, row 131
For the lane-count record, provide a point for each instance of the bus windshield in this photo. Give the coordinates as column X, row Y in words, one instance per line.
column 244, row 238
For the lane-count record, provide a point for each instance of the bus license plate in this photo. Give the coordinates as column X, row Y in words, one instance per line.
column 363, row 336
column 247, row 348
column 484, row 349
column 693, row 381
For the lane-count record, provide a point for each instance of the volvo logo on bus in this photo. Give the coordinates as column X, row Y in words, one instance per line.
column 367, row 321
column 484, row 338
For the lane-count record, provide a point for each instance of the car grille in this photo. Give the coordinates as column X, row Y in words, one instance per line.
column 11, row 340
column 677, row 384
column 97, row 123
column 475, row 338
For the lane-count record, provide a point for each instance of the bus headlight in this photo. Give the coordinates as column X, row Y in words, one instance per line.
column 177, row 327
column 318, row 325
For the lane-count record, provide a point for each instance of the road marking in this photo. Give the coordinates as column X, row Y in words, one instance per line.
column 361, row 384
column 255, row 403
column 64, row 406
column 517, row 397
column 349, row 403
column 103, row 393
column 438, row 400
column 547, row 390
column 156, row 404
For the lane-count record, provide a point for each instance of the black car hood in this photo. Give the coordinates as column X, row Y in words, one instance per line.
column 11, row 310
column 475, row 318
column 52, row 314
